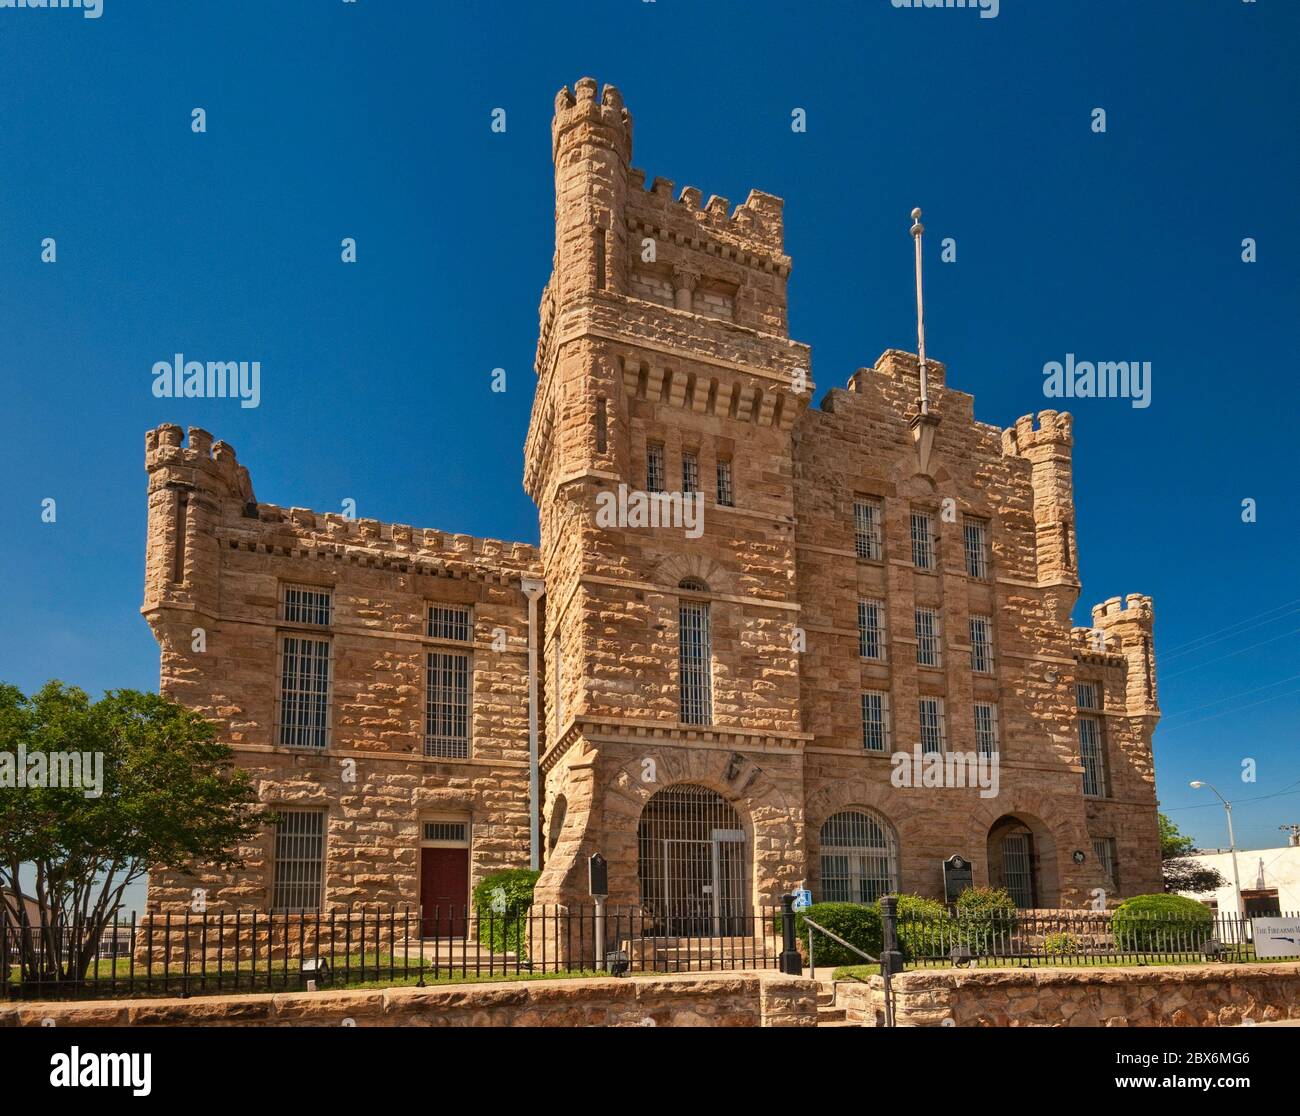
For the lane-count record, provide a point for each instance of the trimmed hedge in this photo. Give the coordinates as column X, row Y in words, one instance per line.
column 501, row 904
column 853, row 922
column 986, row 918
column 1151, row 923
column 921, row 927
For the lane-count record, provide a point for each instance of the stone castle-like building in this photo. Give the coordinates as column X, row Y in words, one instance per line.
column 713, row 710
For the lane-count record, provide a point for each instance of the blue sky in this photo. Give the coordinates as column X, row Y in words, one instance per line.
column 371, row 120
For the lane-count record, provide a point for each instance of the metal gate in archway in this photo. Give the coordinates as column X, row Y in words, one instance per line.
column 692, row 863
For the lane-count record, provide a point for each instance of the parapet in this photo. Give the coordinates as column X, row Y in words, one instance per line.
column 757, row 223
column 203, row 463
column 581, row 106
column 1054, row 428
column 1135, row 607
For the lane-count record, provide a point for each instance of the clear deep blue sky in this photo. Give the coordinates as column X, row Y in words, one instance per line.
column 328, row 119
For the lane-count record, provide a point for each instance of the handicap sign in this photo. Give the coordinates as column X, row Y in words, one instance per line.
column 802, row 899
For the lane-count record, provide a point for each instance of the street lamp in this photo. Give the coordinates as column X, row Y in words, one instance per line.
column 1197, row 784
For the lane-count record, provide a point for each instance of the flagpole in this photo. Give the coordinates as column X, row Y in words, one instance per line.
column 917, row 230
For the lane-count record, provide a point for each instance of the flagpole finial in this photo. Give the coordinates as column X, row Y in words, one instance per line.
column 917, row 227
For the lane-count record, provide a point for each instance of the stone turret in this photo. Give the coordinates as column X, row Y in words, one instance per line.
column 1048, row 447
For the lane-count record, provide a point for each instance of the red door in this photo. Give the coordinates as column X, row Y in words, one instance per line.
column 444, row 891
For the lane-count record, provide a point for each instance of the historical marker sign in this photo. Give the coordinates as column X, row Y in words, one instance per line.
column 598, row 876
column 957, row 877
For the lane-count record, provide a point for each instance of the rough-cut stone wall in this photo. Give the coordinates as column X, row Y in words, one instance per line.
column 741, row 1001
column 1177, row 996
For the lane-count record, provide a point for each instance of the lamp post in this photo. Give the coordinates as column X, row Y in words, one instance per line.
column 1197, row 784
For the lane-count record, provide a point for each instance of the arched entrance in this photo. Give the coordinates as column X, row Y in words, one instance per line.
column 1019, row 852
column 693, row 863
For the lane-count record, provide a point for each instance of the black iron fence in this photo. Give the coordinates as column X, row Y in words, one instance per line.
column 184, row 954
column 1056, row 938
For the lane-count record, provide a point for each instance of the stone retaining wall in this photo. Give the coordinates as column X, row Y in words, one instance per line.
column 748, row 1000
column 1163, row 996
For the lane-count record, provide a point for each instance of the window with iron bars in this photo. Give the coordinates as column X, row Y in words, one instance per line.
column 922, row 541
column 726, row 496
column 927, row 638
column 306, row 604
column 690, row 473
column 1087, row 695
column 932, row 726
column 976, row 536
column 1092, row 755
column 859, row 858
column 986, row 728
column 696, row 663
column 299, row 860
column 446, row 728
column 446, row 831
column 981, row 644
column 875, row 721
column 867, row 539
column 871, row 630
column 304, row 692
column 449, row 622
column 1103, row 848
column 654, row 468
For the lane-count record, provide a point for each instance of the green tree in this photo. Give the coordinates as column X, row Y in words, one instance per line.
column 169, row 796
column 1180, row 871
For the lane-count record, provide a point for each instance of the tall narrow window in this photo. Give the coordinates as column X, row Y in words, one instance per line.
column 922, row 541
column 867, row 539
column 602, row 421
column 981, row 644
column 976, row 535
column 558, row 682
column 299, row 860
column 446, row 721
column 871, row 630
column 1067, row 545
column 600, row 259
column 304, row 692
column 178, row 544
column 690, row 473
column 986, row 728
column 654, row 468
column 927, row 638
column 932, row 724
column 875, row 721
column 1092, row 747
column 1103, row 848
column 726, row 495
column 695, row 657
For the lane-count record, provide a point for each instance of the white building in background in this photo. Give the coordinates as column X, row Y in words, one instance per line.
column 1270, row 880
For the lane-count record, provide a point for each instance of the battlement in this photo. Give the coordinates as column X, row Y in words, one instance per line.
column 756, row 225
column 903, row 368
column 1087, row 644
column 1136, row 607
column 1054, row 428
column 201, row 464
column 579, row 107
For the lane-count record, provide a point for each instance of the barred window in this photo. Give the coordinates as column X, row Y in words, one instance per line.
column 305, row 604
column 986, row 728
column 1087, row 695
column 446, row 724
column 1092, row 754
column 446, row 831
column 696, row 663
column 975, row 532
column 299, row 860
column 654, row 468
column 875, row 721
column 922, row 541
column 1103, row 848
column 871, row 629
column 449, row 622
column 981, row 644
column 867, row 538
column 927, row 638
column 304, row 692
column 690, row 473
column 932, row 726
column 725, row 495
column 859, row 858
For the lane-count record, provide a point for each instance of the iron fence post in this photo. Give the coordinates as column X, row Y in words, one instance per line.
column 791, row 962
column 891, row 960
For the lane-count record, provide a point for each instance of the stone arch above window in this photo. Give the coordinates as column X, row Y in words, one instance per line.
column 677, row 568
column 859, row 857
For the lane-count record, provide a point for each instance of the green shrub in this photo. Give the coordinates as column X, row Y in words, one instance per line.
column 986, row 918
column 1156, row 923
column 1061, row 945
column 501, row 903
column 854, row 922
column 924, row 928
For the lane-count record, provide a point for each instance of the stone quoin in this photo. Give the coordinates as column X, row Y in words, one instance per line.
column 716, row 715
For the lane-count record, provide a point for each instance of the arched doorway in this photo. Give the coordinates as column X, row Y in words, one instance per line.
column 1014, row 855
column 692, row 863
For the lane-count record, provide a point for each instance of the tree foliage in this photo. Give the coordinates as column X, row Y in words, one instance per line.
column 1180, row 871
